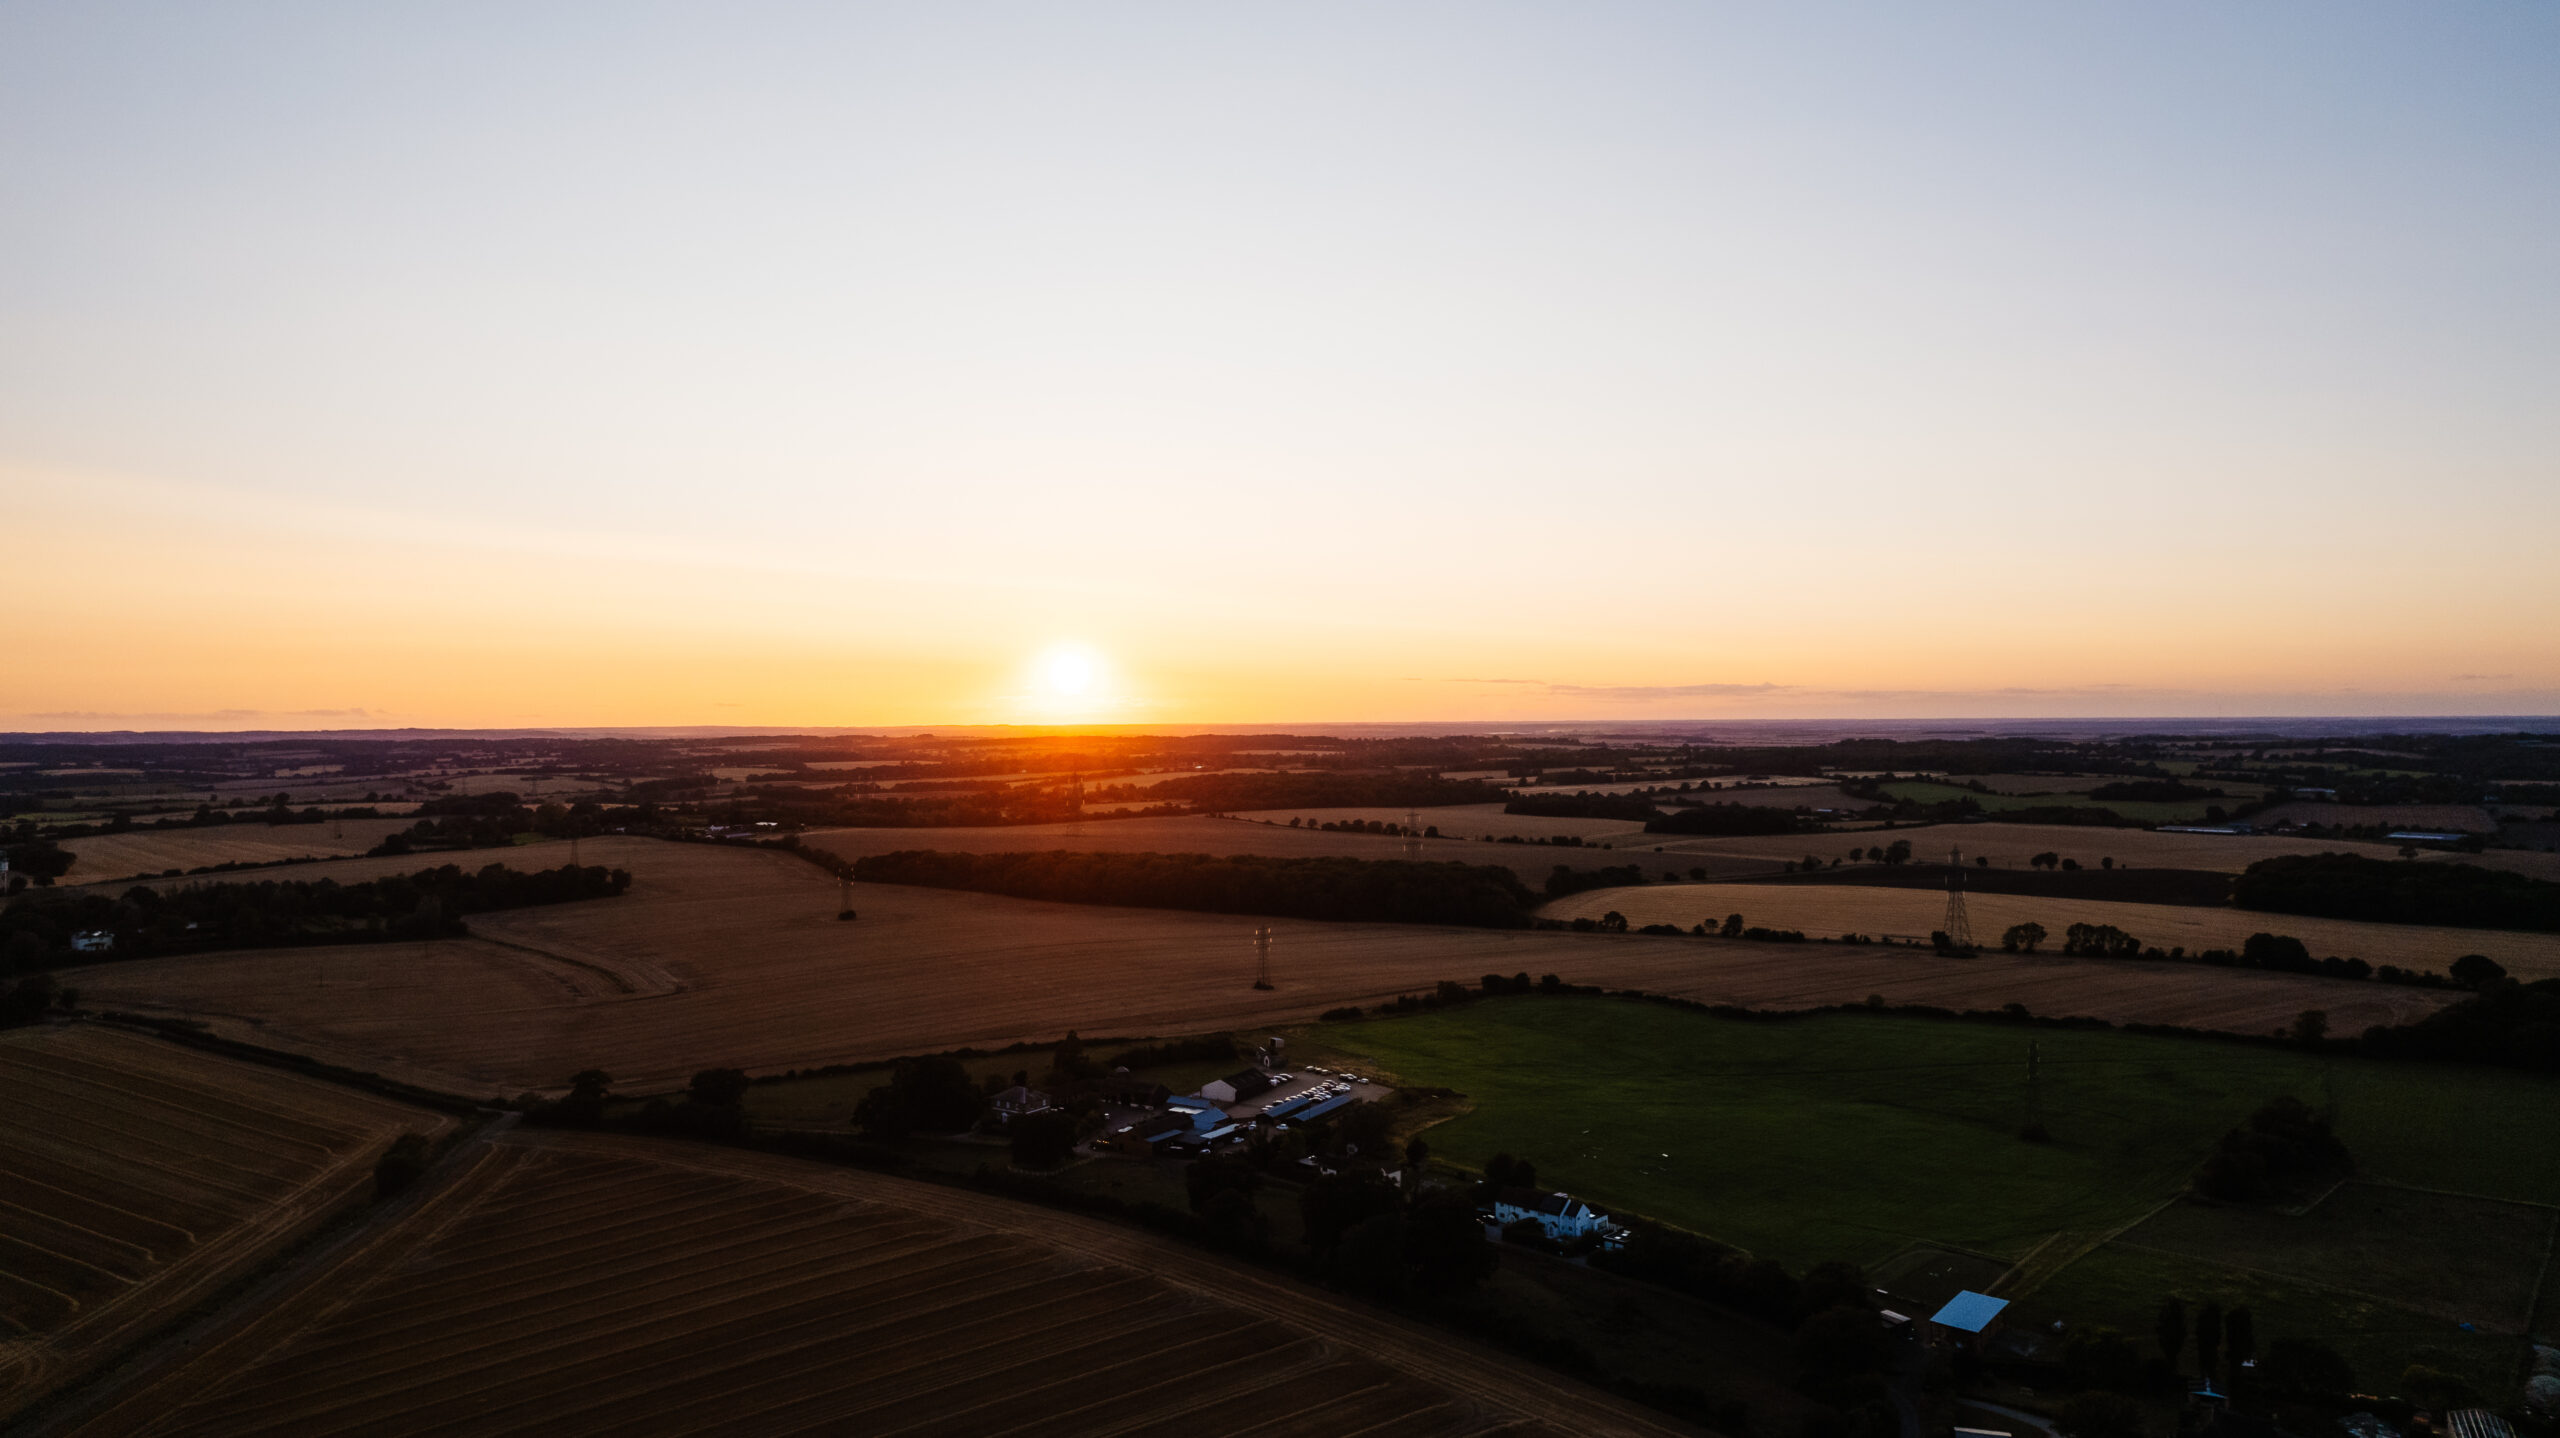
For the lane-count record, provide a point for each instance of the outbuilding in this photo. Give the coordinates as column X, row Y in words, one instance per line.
column 1968, row 1316
column 1237, row 1087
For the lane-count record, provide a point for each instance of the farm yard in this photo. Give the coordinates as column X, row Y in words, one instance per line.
column 1828, row 910
column 732, row 956
column 104, row 858
column 1862, row 1136
column 572, row 1285
column 213, row 1166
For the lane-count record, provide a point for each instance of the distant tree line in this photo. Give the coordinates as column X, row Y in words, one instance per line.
column 2153, row 791
column 1633, row 808
column 36, row 930
column 1726, row 820
column 1226, row 793
column 1390, row 891
column 2352, row 886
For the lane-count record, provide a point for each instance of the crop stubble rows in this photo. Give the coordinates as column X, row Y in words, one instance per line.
column 574, row 1286
column 211, row 1166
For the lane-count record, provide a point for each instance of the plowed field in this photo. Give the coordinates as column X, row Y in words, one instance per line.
column 1832, row 909
column 573, row 1285
column 139, row 1176
column 721, row 956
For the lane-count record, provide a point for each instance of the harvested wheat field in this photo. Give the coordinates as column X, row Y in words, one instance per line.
column 2011, row 845
column 1833, row 909
column 105, row 857
column 726, row 956
column 142, row 1176
column 575, row 1285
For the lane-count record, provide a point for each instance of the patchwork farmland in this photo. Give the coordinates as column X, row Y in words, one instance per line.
column 726, row 956
column 1828, row 910
column 213, row 1166
column 571, row 1285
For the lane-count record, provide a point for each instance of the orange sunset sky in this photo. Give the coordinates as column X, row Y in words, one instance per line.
column 1130, row 364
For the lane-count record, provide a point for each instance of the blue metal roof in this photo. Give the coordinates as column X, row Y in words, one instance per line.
column 1289, row 1106
column 1326, row 1107
column 1969, row 1311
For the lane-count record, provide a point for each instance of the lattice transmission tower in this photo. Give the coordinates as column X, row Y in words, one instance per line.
column 1262, row 957
column 1959, row 924
column 1413, row 833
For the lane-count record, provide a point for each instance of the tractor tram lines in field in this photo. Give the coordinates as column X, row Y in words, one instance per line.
column 141, row 1176
column 570, row 1289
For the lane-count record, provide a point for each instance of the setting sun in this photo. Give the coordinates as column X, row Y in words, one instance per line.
column 1068, row 673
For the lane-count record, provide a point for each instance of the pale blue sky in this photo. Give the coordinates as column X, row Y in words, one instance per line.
column 2137, row 351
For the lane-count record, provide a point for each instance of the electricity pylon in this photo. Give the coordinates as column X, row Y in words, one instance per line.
column 1959, row 925
column 1262, row 957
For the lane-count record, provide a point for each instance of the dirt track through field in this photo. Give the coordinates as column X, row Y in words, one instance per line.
column 753, row 970
column 575, row 1284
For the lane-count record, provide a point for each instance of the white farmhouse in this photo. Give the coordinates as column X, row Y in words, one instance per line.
column 1562, row 1216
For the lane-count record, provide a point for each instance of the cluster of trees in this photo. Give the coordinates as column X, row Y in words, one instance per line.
column 2285, row 1151
column 2352, row 886
column 1391, row 1240
column 36, row 931
column 1377, row 890
column 2506, row 1023
column 31, row 998
column 36, row 861
column 713, row 1106
column 2282, row 953
column 2099, row 941
column 1634, row 808
column 933, row 1094
column 1563, row 881
column 1726, row 821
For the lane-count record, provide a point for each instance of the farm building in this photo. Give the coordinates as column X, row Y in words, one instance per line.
column 1560, row 1216
column 1197, row 1116
column 1192, row 1145
column 92, row 941
column 1237, row 1087
column 1968, row 1316
column 1147, row 1137
column 1018, row 1102
column 1317, row 1106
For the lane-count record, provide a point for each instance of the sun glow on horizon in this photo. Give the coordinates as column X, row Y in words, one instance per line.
column 1071, row 683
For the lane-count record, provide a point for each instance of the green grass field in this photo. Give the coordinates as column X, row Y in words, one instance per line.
column 1850, row 1136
